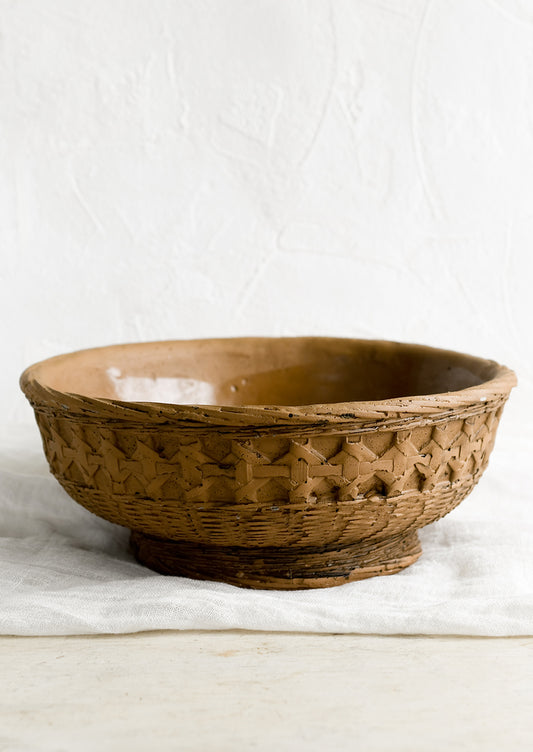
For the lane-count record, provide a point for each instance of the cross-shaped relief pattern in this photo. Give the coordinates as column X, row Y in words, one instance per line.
column 341, row 467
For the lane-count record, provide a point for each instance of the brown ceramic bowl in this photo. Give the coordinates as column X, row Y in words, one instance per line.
column 274, row 463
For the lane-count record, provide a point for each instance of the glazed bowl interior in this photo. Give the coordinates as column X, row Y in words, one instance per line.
column 263, row 371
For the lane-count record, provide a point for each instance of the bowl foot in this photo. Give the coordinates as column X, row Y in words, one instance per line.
column 276, row 568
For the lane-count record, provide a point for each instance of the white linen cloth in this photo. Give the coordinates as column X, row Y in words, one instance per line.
column 65, row 571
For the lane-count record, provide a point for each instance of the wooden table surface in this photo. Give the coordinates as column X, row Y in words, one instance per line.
column 265, row 691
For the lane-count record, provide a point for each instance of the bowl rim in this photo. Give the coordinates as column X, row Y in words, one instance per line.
column 474, row 398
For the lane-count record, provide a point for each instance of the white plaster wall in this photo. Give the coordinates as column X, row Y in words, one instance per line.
column 173, row 169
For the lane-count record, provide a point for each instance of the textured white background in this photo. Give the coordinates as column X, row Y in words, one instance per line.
column 176, row 169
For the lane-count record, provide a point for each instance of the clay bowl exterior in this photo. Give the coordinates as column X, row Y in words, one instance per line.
column 272, row 463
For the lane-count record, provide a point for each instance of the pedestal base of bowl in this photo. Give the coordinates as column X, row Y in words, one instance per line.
column 276, row 568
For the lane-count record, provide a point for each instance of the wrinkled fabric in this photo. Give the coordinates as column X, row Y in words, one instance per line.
column 65, row 571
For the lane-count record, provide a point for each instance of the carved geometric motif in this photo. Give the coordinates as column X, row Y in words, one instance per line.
column 339, row 467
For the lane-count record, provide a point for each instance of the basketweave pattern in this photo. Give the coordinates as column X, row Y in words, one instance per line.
column 257, row 470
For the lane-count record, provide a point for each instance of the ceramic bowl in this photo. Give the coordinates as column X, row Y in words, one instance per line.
column 269, row 462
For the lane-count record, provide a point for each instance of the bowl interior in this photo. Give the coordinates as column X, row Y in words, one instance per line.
column 262, row 371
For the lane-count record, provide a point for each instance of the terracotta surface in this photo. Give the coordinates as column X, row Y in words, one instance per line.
column 275, row 463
